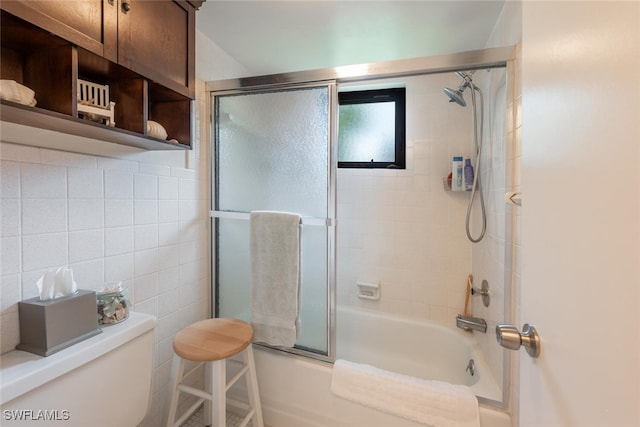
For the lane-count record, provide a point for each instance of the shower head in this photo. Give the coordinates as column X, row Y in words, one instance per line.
column 455, row 96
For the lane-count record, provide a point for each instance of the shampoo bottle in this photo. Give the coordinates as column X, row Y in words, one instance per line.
column 468, row 175
column 457, row 180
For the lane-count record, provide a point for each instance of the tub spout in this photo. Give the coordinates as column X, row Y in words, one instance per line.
column 475, row 323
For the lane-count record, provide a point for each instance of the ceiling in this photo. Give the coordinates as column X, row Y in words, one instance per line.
column 269, row 37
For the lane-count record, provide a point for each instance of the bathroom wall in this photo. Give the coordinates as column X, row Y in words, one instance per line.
column 508, row 32
column 489, row 256
column 112, row 213
column 400, row 228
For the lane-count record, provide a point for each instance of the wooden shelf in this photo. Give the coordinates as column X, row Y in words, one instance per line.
column 50, row 47
column 46, row 119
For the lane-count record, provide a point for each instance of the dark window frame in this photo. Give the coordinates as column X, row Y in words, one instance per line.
column 397, row 95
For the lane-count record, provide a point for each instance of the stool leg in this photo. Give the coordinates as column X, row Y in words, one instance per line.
column 218, row 405
column 177, row 370
column 252, row 387
column 208, row 379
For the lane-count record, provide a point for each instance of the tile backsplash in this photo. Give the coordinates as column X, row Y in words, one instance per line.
column 400, row 228
column 145, row 224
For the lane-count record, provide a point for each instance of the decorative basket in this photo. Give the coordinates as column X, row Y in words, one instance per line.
column 94, row 104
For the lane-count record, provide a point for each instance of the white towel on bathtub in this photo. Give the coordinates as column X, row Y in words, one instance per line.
column 275, row 277
column 434, row 403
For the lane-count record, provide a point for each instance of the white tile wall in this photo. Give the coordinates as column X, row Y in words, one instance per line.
column 86, row 183
column 118, row 212
column 490, row 255
column 86, row 214
column 43, row 215
column 40, row 251
column 10, row 178
column 400, row 228
column 109, row 220
column 118, row 184
column 86, row 245
column 43, row 181
column 145, row 186
column 508, row 32
column 516, row 241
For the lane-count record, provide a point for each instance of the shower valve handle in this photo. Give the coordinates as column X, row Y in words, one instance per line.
column 510, row 338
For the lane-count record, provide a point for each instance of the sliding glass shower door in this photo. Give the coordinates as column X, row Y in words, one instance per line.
column 272, row 152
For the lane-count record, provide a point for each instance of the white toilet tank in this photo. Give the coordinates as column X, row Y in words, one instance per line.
column 104, row 381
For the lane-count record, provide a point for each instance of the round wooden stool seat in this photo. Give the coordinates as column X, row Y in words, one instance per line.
column 212, row 339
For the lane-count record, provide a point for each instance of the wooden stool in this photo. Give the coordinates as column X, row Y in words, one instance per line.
column 212, row 341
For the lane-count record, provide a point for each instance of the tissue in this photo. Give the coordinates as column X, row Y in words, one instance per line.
column 56, row 283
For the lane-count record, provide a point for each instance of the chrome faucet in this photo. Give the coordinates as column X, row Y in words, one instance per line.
column 468, row 322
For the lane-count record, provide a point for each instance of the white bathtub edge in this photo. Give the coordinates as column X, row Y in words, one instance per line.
column 289, row 402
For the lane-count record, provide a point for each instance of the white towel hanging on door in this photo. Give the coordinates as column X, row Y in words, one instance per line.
column 275, row 277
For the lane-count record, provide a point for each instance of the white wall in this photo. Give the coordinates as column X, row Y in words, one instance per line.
column 400, row 228
column 111, row 213
column 581, row 213
column 508, row 32
column 213, row 63
column 107, row 219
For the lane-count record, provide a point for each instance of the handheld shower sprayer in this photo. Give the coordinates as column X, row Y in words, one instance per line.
column 476, row 189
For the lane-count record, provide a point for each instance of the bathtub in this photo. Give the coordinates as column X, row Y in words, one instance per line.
column 295, row 391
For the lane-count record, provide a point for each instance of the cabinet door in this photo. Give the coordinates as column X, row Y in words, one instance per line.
column 157, row 40
column 90, row 24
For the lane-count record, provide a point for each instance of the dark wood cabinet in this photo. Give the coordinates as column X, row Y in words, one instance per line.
column 90, row 24
column 143, row 50
column 155, row 39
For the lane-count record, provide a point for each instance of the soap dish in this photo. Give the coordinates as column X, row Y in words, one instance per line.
column 368, row 290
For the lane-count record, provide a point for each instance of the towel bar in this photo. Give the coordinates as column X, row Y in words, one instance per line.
column 325, row 222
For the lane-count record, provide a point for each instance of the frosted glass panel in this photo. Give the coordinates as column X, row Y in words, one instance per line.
column 273, row 148
column 233, row 269
column 367, row 132
column 272, row 154
column 234, row 278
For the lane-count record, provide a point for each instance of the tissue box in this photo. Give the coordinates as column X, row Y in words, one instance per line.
column 47, row 327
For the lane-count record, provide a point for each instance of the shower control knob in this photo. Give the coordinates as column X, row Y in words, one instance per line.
column 510, row 338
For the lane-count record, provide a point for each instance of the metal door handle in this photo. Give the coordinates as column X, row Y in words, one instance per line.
column 509, row 337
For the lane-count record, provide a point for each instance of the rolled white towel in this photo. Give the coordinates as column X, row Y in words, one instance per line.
column 10, row 90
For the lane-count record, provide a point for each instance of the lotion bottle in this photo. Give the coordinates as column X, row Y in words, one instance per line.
column 468, row 175
column 457, row 180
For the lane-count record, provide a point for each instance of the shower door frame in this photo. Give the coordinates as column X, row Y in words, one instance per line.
column 329, row 222
column 497, row 57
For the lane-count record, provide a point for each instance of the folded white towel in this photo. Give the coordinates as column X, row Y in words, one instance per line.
column 10, row 90
column 434, row 403
column 275, row 277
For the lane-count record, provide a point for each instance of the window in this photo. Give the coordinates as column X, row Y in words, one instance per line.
column 371, row 129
